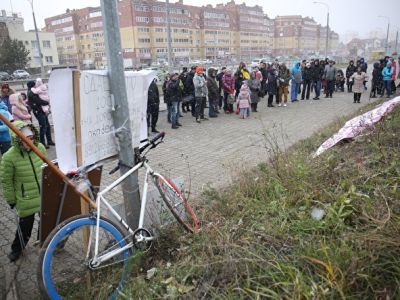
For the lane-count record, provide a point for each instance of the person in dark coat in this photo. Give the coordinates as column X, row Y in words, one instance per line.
column 307, row 79
column 272, row 86
column 264, row 73
column 174, row 97
column 350, row 70
column 36, row 104
column 377, row 80
column 182, row 78
column 238, row 83
column 166, row 97
column 340, row 80
column 189, row 89
column 153, row 106
column 220, row 75
column 213, row 94
column 316, row 76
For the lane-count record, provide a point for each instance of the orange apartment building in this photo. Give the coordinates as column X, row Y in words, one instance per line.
column 224, row 32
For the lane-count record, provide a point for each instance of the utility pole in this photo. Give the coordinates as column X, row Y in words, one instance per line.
column 327, row 26
column 37, row 41
column 169, row 47
column 397, row 40
column 327, row 35
column 120, row 114
column 387, row 33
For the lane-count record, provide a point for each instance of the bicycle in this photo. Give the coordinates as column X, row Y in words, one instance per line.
column 107, row 245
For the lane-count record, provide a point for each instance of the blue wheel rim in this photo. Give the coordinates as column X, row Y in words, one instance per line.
column 65, row 231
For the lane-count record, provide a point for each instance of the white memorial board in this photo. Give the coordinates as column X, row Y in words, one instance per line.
column 97, row 130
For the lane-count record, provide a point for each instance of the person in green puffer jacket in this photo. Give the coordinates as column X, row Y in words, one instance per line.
column 20, row 173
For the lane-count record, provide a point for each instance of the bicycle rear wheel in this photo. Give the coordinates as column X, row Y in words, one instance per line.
column 177, row 203
column 63, row 270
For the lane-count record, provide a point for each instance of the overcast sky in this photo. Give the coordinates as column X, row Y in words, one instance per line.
column 345, row 15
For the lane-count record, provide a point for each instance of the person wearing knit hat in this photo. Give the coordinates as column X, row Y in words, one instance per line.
column 20, row 175
column 200, row 91
column 243, row 101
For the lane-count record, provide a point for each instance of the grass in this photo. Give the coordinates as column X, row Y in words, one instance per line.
column 259, row 240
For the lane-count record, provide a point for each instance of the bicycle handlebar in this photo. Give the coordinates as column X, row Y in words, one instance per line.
column 152, row 142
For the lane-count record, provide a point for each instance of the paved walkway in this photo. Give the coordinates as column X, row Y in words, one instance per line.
column 203, row 154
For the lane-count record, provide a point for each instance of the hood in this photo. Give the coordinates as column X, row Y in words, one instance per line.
column 211, row 72
column 16, row 141
column 296, row 66
column 10, row 91
column 30, row 84
column 3, row 106
column 38, row 82
column 388, row 64
column 13, row 99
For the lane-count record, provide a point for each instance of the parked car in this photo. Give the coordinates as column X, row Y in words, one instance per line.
column 256, row 62
column 4, row 76
column 21, row 74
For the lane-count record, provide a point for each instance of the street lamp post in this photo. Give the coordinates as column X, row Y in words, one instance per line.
column 387, row 33
column 327, row 26
column 169, row 46
column 37, row 40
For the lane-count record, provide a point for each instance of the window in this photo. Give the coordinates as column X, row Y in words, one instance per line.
column 158, row 20
column 49, row 59
column 143, row 29
column 213, row 15
column 160, row 40
column 144, row 50
column 98, row 45
column 96, row 24
column 159, row 8
column 34, row 44
column 46, row 44
column 65, row 29
column 141, row 7
column 61, row 21
column 144, row 40
column 142, row 19
column 95, row 14
column 97, row 34
column 157, row 29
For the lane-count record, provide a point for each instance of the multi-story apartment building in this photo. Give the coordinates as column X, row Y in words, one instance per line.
column 295, row 35
column 79, row 36
column 219, row 31
column 223, row 32
column 13, row 27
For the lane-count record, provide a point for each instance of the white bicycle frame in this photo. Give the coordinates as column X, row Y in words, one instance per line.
column 100, row 199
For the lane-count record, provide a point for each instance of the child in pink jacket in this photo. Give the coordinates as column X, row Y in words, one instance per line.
column 243, row 101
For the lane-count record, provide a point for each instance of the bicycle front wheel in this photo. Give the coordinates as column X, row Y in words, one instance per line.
column 64, row 262
column 177, row 203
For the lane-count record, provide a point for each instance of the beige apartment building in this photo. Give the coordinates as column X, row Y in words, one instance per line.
column 225, row 32
column 14, row 27
column 298, row 36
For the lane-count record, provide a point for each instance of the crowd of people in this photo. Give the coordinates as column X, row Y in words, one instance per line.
column 241, row 90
